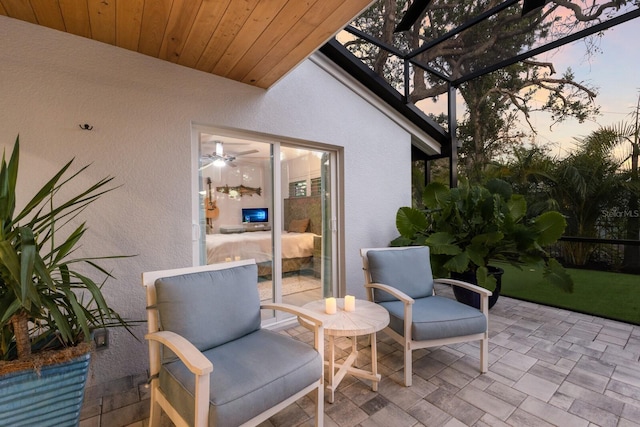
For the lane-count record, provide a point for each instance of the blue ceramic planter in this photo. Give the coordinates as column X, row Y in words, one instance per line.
column 51, row 397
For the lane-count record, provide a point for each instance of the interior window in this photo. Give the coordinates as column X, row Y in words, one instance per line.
column 298, row 189
column 316, row 185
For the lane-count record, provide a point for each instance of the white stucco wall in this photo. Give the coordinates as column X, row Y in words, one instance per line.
column 142, row 110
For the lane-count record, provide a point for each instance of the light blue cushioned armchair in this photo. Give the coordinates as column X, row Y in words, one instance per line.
column 211, row 363
column 400, row 280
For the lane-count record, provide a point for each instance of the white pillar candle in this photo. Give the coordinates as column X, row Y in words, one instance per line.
column 330, row 305
column 349, row 303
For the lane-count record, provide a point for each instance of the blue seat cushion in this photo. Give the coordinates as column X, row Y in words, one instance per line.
column 437, row 317
column 407, row 269
column 250, row 375
column 209, row 308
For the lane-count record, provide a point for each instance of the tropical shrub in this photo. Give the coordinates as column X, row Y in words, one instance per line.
column 472, row 225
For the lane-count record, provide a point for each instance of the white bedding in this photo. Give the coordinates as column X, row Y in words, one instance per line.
column 257, row 245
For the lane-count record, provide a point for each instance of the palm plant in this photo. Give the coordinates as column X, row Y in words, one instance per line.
column 530, row 172
column 587, row 183
column 44, row 298
column 627, row 135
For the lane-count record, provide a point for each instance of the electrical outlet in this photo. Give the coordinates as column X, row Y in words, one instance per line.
column 101, row 338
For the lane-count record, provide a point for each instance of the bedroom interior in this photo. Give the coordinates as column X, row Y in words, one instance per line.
column 237, row 193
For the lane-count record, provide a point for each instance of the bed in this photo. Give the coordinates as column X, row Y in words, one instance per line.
column 300, row 242
column 297, row 249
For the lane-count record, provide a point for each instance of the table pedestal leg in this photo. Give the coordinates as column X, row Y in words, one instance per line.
column 348, row 367
column 331, row 362
column 374, row 362
column 354, row 350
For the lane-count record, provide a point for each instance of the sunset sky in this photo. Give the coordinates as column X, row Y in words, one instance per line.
column 615, row 71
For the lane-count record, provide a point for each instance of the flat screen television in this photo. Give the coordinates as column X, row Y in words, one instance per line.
column 255, row 215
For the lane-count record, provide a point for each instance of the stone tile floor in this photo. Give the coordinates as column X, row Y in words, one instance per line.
column 547, row 367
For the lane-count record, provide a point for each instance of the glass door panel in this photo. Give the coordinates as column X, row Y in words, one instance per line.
column 305, row 201
column 239, row 178
column 237, row 204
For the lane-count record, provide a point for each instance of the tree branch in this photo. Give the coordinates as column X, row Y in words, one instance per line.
column 585, row 17
column 549, row 65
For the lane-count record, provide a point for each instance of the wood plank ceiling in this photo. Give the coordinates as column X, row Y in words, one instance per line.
column 252, row 41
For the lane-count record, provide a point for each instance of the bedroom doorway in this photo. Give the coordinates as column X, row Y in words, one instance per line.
column 271, row 201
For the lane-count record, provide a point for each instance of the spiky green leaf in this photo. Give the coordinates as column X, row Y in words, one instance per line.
column 36, row 274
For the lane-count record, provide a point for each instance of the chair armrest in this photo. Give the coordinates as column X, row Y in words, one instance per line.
column 392, row 291
column 187, row 352
column 478, row 289
column 305, row 314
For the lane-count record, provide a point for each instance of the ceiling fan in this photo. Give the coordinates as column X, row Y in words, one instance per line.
column 417, row 8
column 220, row 159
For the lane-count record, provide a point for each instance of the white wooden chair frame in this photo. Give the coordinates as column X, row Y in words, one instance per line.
column 407, row 341
column 201, row 367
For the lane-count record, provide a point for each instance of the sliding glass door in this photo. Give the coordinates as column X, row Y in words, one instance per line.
column 270, row 201
column 305, row 197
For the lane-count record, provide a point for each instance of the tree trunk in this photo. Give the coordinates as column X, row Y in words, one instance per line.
column 20, row 324
column 476, row 158
column 388, row 25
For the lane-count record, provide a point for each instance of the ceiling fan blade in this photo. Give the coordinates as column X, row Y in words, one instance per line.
column 244, row 153
column 411, row 15
column 205, row 164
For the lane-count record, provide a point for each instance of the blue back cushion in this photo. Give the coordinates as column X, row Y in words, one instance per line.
column 408, row 270
column 210, row 308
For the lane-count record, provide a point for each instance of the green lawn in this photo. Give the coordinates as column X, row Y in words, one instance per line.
column 601, row 293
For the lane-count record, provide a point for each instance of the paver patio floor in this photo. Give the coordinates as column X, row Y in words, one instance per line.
column 547, row 367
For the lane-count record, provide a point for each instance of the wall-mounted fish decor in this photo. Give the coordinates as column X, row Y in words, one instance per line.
column 240, row 190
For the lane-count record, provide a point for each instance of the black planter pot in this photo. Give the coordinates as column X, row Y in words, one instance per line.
column 471, row 298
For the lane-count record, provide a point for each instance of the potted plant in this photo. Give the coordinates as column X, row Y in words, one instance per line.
column 48, row 306
column 470, row 226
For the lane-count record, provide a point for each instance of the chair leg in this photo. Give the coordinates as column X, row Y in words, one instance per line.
column 155, row 410
column 320, row 405
column 484, row 355
column 408, row 365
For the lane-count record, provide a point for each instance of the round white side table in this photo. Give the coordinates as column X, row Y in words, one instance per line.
column 367, row 319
